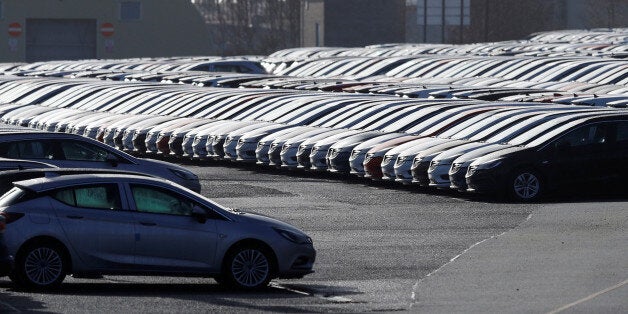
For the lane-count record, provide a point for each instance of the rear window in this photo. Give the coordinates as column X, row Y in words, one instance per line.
column 28, row 150
column 105, row 196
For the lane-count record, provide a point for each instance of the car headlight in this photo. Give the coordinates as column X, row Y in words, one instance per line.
column 455, row 167
column 293, row 236
column 183, row 174
column 416, row 161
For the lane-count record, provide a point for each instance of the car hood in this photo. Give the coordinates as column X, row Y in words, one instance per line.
column 503, row 153
column 354, row 140
column 161, row 163
column 248, row 217
column 393, row 143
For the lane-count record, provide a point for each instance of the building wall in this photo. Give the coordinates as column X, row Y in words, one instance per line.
column 351, row 23
column 496, row 20
column 165, row 27
column 354, row 23
column 313, row 23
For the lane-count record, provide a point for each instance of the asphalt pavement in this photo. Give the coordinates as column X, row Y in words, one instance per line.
column 567, row 257
column 387, row 248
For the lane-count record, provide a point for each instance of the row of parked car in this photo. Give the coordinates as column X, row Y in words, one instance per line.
column 284, row 125
column 431, row 142
column 493, row 118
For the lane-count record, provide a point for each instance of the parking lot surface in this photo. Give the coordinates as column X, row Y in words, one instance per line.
column 388, row 248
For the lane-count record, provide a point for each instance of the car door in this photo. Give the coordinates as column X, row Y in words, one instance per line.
column 617, row 158
column 580, row 155
column 97, row 224
column 167, row 237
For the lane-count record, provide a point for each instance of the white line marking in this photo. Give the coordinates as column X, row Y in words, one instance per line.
column 11, row 308
column 331, row 298
column 416, row 285
column 560, row 309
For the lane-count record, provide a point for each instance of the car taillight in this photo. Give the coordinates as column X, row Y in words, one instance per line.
column 11, row 217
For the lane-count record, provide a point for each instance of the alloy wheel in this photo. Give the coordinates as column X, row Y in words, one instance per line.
column 526, row 186
column 43, row 266
column 250, row 268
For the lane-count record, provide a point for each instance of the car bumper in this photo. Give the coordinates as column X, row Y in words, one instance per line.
column 419, row 173
column 483, row 182
column 439, row 176
column 274, row 156
column 339, row 162
column 299, row 265
column 356, row 164
column 457, row 180
column 317, row 160
column 373, row 167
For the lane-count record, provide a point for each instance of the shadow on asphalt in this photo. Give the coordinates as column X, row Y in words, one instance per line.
column 212, row 294
column 113, row 288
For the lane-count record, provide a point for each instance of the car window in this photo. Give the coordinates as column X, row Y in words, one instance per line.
column 105, row 196
column 225, row 68
column 28, row 150
column 622, row 132
column 77, row 150
column 586, row 135
column 152, row 199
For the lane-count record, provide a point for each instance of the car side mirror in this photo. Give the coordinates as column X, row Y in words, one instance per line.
column 112, row 159
column 199, row 214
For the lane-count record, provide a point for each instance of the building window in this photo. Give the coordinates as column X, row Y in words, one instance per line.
column 443, row 12
column 130, row 10
column 443, row 20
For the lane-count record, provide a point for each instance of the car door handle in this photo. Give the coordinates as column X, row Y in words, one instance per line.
column 74, row 217
column 146, row 223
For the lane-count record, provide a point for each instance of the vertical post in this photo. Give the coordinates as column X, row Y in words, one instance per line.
column 442, row 19
column 424, row 21
column 461, row 21
column 317, row 34
column 486, row 20
column 302, row 7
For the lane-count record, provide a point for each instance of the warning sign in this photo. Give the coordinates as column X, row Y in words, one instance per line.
column 15, row 29
column 106, row 29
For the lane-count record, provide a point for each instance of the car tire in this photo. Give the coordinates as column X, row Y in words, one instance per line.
column 525, row 186
column 40, row 266
column 247, row 267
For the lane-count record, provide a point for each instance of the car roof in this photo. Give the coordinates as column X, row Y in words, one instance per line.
column 9, row 163
column 31, row 132
column 44, row 184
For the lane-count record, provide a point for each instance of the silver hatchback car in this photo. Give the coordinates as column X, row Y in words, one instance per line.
column 116, row 224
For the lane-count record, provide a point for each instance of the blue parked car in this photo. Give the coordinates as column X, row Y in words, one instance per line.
column 6, row 260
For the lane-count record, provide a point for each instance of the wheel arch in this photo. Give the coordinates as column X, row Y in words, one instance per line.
column 530, row 168
column 48, row 240
column 252, row 242
column 543, row 176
